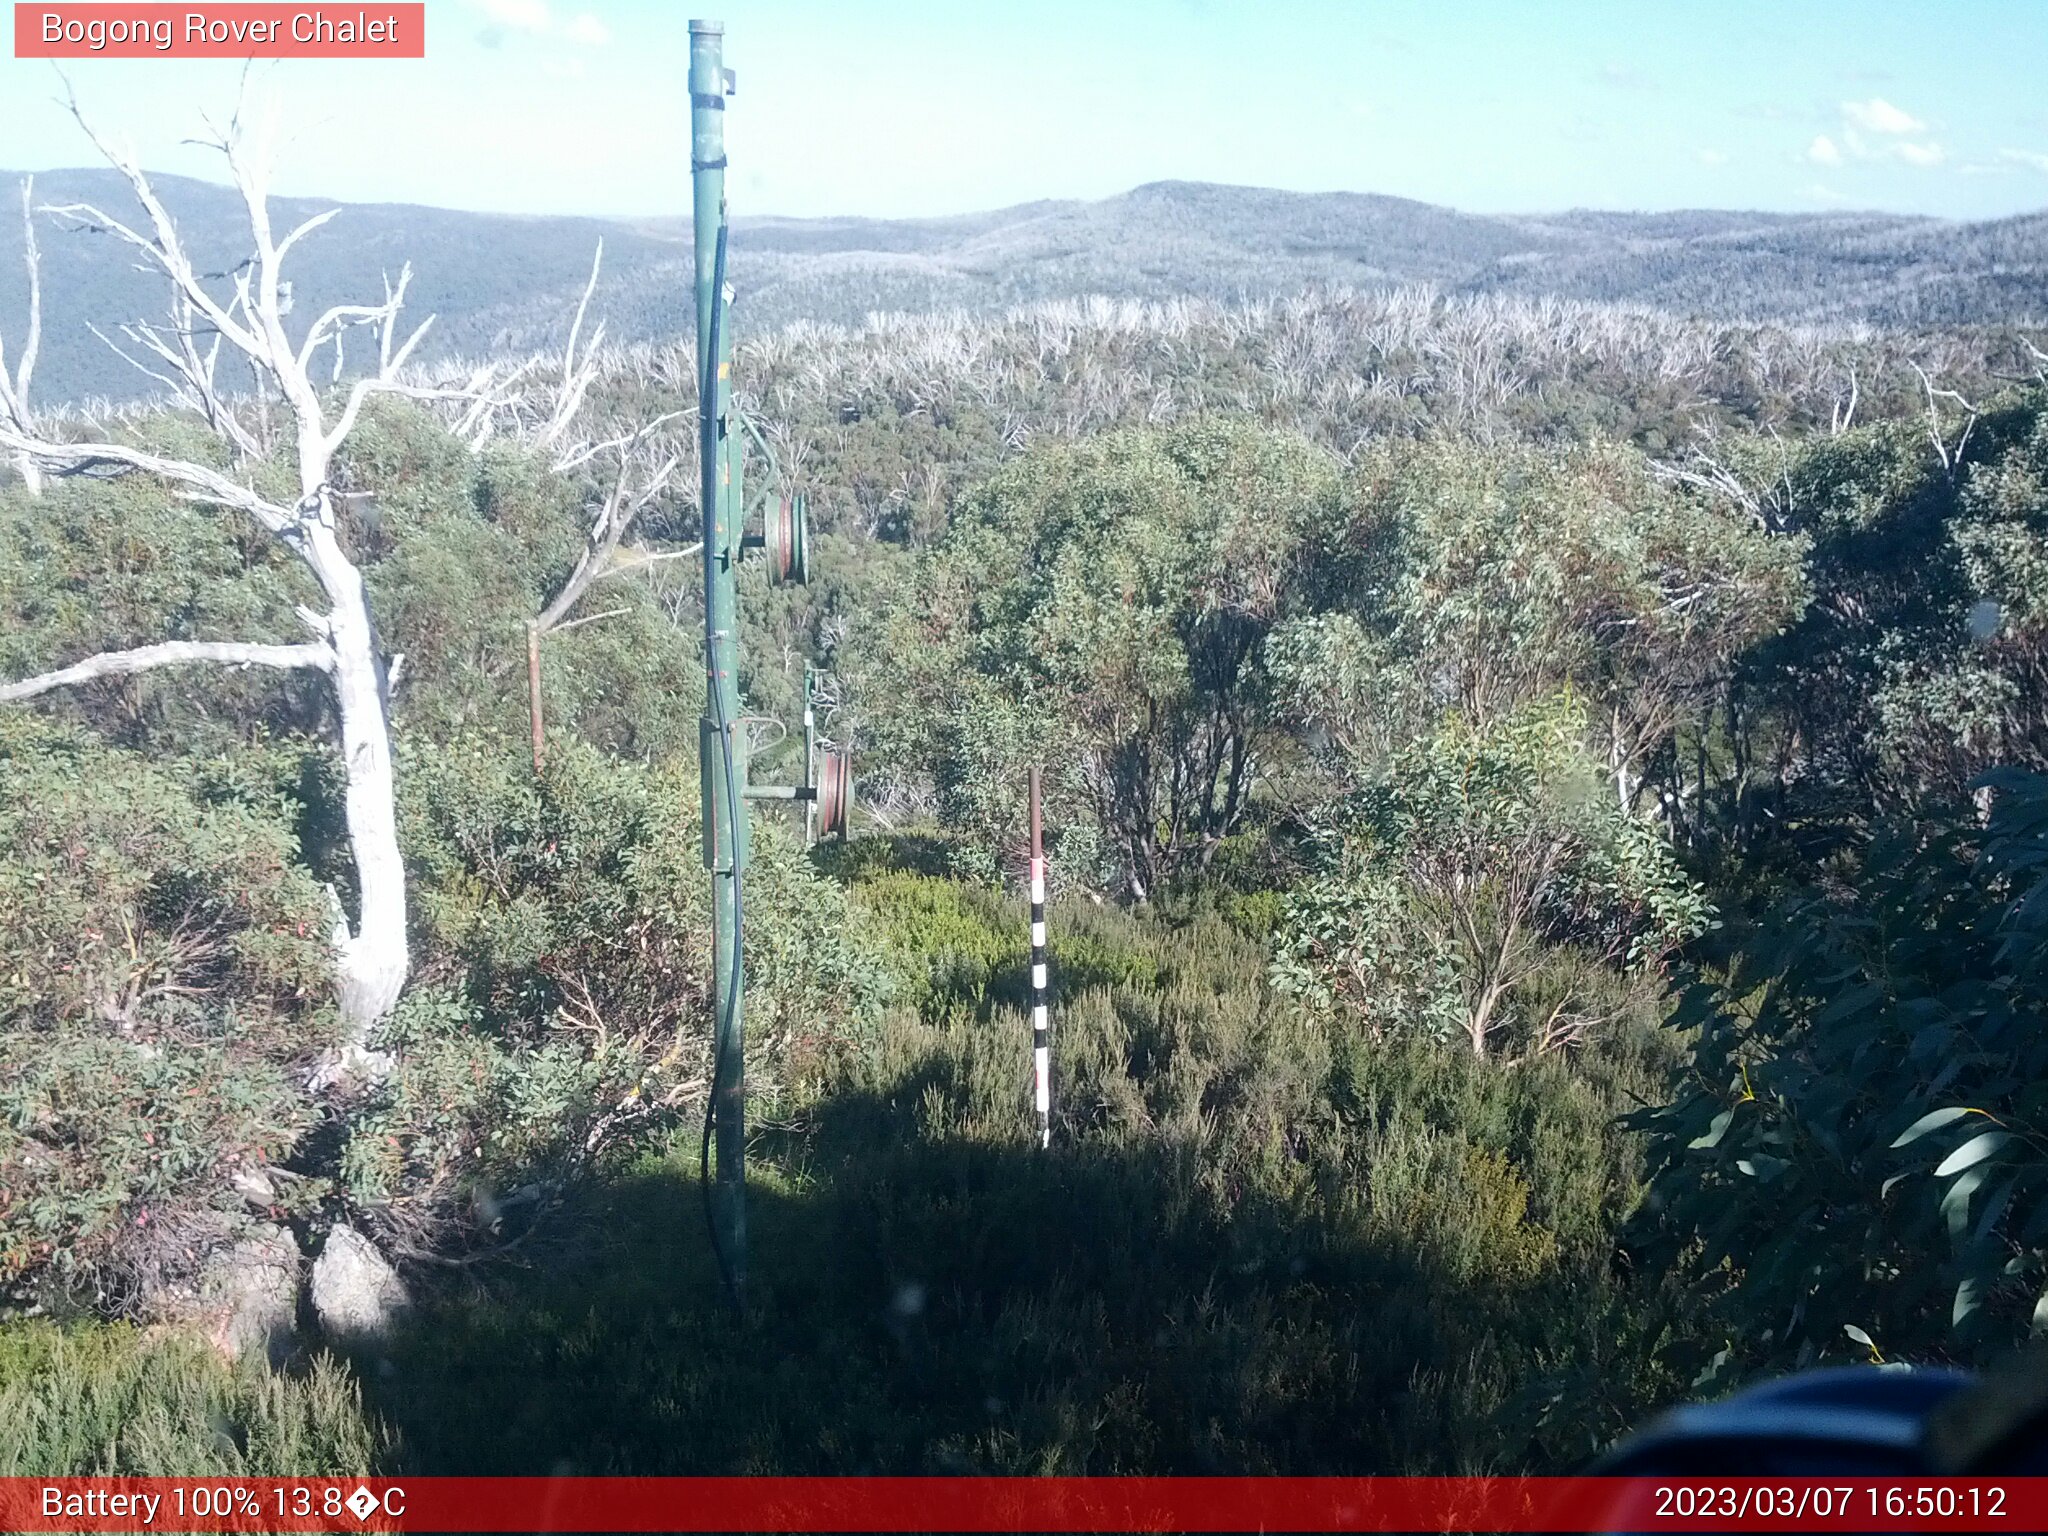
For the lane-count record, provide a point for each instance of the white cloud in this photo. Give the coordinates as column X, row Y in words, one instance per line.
column 1879, row 116
column 1624, row 77
column 1713, row 157
column 515, row 15
column 2032, row 158
column 535, row 19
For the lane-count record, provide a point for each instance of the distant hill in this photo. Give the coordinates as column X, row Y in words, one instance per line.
column 504, row 283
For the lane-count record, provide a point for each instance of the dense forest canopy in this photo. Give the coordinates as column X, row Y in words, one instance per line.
column 1547, row 823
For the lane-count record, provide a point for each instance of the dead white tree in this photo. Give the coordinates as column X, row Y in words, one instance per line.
column 14, row 407
column 1765, row 492
column 579, row 372
column 371, row 955
column 1842, row 410
column 645, row 468
column 1950, row 454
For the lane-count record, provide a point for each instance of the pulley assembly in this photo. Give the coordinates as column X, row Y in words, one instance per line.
column 826, row 792
column 835, row 793
column 785, row 540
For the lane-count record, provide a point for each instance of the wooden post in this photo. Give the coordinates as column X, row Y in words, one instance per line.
column 1041, row 1026
column 533, row 693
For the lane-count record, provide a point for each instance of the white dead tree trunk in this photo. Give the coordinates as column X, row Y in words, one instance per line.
column 14, row 407
column 371, row 956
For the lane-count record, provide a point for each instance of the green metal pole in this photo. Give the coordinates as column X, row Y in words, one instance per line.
column 723, row 749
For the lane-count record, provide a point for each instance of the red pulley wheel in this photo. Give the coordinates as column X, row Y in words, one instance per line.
column 778, row 539
column 835, row 793
column 785, row 540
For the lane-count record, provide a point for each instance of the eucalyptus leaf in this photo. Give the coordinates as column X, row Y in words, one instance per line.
column 1973, row 1151
column 1933, row 1121
column 1968, row 1298
column 1955, row 1204
column 1715, row 1131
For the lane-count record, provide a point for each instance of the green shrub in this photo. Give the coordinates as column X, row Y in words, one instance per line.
column 948, row 940
column 462, row 551
column 1484, row 884
column 561, row 1006
column 163, row 972
column 1861, row 1142
column 94, row 565
column 1099, row 607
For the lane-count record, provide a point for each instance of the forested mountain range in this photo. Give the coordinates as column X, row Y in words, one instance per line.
column 504, row 283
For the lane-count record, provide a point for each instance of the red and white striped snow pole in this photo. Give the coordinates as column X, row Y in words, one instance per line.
column 1041, row 1026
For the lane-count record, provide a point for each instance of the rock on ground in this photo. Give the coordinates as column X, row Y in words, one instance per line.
column 357, row 1295
column 249, row 1297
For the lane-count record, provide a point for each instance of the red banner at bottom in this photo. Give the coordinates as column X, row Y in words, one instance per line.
column 939, row 1504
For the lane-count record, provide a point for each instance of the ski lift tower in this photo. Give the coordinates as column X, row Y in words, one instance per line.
column 722, row 739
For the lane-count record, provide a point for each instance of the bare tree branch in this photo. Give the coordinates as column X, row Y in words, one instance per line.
column 384, row 316
column 577, row 373
column 165, row 251
column 135, row 333
column 488, row 394
column 626, row 568
column 583, row 453
column 303, row 230
column 2040, row 360
column 1842, row 413
column 170, row 653
column 636, row 487
column 589, row 618
column 32, row 257
column 204, row 484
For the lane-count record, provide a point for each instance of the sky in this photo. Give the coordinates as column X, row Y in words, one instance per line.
column 894, row 108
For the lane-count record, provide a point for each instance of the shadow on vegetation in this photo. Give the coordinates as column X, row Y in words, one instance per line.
column 926, row 1303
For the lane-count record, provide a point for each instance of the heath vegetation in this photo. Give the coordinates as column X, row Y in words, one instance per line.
column 1547, row 825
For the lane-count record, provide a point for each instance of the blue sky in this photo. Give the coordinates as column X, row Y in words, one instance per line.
column 896, row 107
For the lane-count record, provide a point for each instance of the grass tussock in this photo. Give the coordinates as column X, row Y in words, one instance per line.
column 111, row 1400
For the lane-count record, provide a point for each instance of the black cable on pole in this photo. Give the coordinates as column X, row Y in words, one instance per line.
column 728, row 1010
